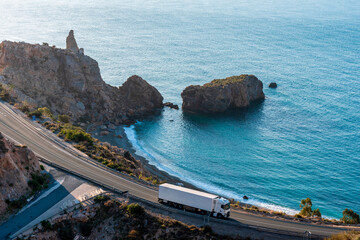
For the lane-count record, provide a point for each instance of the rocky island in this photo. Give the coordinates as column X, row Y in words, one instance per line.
column 69, row 82
column 222, row 94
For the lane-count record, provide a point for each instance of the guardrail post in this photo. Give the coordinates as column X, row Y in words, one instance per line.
column 307, row 235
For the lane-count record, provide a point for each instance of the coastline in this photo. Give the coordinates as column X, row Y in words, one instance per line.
column 126, row 144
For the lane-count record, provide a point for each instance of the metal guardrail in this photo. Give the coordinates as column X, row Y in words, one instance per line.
column 158, row 205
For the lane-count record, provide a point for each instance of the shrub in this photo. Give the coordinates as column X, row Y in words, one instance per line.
column 45, row 112
column 24, row 107
column 111, row 165
column 3, row 149
column 76, row 134
column 101, row 198
column 349, row 235
column 64, row 118
column 37, row 182
column 135, row 209
column 306, row 210
column 42, row 167
column 316, row 213
column 35, row 186
column 46, row 225
column 39, row 178
column 66, row 233
column 134, row 234
column 18, row 203
column 86, row 228
column 350, row 217
column 207, row 229
column 35, row 113
column 4, row 95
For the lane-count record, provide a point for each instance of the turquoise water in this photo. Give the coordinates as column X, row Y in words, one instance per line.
column 302, row 141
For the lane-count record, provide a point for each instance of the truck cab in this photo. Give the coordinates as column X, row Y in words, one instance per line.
column 221, row 207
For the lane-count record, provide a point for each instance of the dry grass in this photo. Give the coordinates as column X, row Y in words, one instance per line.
column 351, row 235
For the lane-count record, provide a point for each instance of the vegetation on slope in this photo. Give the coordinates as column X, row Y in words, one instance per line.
column 113, row 219
column 106, row 154
column 228, row 80
column 351, row 235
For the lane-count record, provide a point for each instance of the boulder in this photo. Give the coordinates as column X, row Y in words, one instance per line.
column 104, row 133
column 80, row 217
column 140, row 95
column 171, row 105
column 222, row 94
column 273, row 85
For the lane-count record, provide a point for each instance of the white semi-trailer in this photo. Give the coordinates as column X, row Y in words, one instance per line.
column 187, row 198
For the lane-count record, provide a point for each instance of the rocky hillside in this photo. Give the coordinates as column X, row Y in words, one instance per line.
column 112, row 219
column 17, row 163
column 222, row 94
column 69, row 82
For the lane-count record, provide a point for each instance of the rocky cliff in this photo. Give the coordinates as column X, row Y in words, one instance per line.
column 222, row 94
column 17, row 163
column 69, row 82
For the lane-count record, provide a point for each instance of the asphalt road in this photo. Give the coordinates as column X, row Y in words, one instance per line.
column 48, row 146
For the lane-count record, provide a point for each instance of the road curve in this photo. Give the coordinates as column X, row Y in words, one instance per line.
column 48, row 146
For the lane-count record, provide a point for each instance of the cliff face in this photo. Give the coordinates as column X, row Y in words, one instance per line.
column 16, row 165
column 69, row 82
column 223, row 94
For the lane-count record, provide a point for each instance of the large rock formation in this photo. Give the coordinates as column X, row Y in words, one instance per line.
column 71, row 42
column 69, row 82
column 223, row 94
column 16, row 165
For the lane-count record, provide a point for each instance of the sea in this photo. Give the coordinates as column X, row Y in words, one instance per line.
column 302, row 141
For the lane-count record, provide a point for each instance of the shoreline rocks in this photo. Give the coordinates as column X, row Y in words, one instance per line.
column 223, row 94
column 171, row 105
column 273, row 85
column 68, row 82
